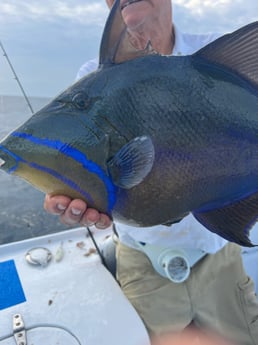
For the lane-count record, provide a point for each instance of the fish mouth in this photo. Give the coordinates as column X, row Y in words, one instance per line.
column 2, row 162
column 8, row 160
column 127, row 3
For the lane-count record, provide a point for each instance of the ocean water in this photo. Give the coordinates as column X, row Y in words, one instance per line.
column 21, row 206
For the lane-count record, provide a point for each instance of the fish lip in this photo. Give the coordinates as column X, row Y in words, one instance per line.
column 2, row 162
column 127, row 3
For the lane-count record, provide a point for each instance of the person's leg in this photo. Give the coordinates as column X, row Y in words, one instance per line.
column 224, row 298
column 163, row 306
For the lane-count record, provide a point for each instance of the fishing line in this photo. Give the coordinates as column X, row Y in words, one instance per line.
column 16, row 78
column 44, row 325
column 103, row 261
column 109, row 262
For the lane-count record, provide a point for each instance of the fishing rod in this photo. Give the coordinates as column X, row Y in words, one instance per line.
column 16, row 78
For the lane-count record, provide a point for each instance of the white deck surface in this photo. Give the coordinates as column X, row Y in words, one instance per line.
column 73, row 301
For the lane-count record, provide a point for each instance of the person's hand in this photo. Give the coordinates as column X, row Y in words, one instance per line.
column 75, row 211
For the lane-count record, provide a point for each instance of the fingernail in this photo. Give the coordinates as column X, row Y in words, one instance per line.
column 89, row 223
column 101, row 225
column 60, row 207
column 76, row 211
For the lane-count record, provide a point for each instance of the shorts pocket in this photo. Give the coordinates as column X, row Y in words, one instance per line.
column 249, row 305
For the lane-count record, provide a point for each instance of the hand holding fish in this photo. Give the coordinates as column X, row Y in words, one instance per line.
column 75, row 211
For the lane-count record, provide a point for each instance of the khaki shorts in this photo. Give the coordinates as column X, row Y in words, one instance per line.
column 218, row 296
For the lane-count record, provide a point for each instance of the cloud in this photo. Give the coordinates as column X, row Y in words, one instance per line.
column 48, row 40
column 214, row 15
column 200, row 6
column 93, row 12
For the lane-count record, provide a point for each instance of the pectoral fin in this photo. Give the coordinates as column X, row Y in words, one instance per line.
column 132, row 163
column 232, row 222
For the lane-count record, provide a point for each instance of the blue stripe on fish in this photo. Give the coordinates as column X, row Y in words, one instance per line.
column 49, row 171
column 62, row 178
column 77, row 156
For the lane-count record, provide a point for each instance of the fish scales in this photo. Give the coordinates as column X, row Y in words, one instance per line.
column 173, row 131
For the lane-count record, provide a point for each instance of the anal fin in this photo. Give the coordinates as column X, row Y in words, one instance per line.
column 232, row 222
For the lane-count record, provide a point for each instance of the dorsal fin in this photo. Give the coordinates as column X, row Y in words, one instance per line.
column 116, row 46
column 237, row 51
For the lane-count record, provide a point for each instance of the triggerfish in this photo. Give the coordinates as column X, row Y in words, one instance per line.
column 149, row 138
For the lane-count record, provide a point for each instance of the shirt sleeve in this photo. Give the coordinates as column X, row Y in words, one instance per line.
column 187, row 44
column 86, row 68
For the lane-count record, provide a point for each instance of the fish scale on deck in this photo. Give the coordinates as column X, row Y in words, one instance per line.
column 149, row 138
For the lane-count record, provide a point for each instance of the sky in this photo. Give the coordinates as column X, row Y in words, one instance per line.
column 47, row 41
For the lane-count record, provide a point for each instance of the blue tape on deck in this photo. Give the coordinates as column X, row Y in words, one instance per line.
column 11, row 291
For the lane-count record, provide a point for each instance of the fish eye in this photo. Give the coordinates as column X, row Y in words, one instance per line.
column 80, row 101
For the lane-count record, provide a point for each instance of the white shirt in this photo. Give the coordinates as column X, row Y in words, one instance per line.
column 188, row 233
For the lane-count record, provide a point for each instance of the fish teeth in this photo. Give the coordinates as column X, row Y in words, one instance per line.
column 2, row 162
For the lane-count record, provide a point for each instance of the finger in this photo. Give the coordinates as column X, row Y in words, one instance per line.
column 90, row 217
column 103, row 222
column 74, row 212
column 56, row 204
